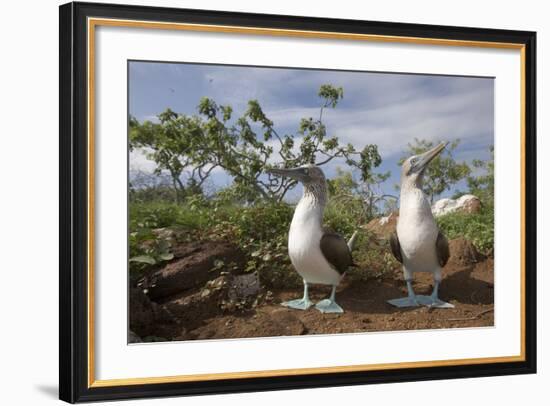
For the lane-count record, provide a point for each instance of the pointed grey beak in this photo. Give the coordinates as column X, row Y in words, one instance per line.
column 298, row 174
column 428, row 156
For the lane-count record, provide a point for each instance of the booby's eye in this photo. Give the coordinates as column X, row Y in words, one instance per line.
column 413, row 161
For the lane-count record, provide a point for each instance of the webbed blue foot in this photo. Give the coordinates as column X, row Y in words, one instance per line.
column 298, row 304
column 433, row 300
column 329, row 305
column 409, row 301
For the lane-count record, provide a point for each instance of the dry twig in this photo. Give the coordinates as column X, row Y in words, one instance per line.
column 473, row 317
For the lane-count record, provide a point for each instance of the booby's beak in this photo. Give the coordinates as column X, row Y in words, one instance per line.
column 424, row 159
column 299, row 174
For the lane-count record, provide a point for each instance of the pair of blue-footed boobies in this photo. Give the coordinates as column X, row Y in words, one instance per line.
column 322, row 257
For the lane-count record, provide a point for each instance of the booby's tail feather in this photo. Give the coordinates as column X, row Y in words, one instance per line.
column 351, row 241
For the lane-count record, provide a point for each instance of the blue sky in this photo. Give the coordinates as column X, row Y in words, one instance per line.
column 386, row 109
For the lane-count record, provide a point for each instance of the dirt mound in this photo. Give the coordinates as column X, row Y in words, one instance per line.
column 463, row 252
column 383, row 227
column 195, row 264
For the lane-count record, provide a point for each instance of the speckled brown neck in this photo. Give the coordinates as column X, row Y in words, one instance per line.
column 316, row 192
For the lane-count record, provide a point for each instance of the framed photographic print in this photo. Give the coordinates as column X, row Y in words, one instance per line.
column 257, row 202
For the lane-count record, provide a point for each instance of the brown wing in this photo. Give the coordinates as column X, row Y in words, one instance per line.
column 396, row 247
column 442, row 249
column 335, row 249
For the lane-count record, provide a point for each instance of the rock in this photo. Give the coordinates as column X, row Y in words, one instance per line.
column 286, row 322
column 463, row 253
column 192, row 308
column 193, row 267
column 146, row 317
column 467, row 204
column 226, row 294
column 242, row 286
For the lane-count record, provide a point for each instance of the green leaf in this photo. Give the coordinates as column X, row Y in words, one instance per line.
column 144, row 259
column 166, row 256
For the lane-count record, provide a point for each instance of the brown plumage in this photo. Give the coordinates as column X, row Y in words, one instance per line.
column 396, row 247
column 335, row 250
column 441, row 248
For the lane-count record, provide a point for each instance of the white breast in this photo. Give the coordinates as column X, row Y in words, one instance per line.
column 417, row 232
column 304, row 247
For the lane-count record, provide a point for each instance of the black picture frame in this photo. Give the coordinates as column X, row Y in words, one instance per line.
column 74, row 383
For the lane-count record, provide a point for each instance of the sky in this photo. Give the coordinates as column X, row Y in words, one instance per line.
column 385, row 109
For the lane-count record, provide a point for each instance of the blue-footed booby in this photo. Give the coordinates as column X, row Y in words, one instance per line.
column 318, row 255
column 418, row 244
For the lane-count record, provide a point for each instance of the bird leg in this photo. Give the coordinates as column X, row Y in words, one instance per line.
column 435, row 291
column 300, row 304
column 329, row 305
column 409, row 301
column 433, row 300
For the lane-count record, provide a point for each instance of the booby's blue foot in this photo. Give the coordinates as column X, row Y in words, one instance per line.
column 328, row 306
column 409, row 301
column 298, row 304
column 433, row 301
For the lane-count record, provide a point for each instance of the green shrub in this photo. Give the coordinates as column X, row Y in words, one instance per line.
column 159, row 215
column 261, row 231
column 372, row 256
column 340, row 220
column 478, row 228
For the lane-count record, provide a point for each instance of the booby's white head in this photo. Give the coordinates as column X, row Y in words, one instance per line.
column 413, row 168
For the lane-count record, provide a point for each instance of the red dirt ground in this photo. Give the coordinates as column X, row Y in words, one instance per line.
column 468, row 287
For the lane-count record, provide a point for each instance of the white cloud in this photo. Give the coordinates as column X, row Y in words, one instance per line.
column 392, row 125
column 139, row 161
